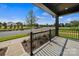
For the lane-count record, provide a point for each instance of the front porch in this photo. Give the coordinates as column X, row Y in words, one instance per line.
column 58, row 47
column 49, row 42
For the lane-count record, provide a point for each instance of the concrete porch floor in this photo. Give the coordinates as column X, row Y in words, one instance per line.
column 59, row 47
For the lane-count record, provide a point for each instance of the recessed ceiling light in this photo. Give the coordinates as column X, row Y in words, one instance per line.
column 66, row 8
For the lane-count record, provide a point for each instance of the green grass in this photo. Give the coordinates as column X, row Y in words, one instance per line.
column 69, row 32
column 12, row 37
column 8, row 29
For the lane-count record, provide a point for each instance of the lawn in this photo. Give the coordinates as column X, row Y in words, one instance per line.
column 69, row 32
column 12, row 37
column 12, row 29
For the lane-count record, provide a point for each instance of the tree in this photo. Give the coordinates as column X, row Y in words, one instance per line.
column 74, row 23
column 47, row 25
column 61, row 24
column 19, row 25
column 14, row 26
column 11, row 26
column 67, row 24
column 0, row 24
column 5, row 25
column 36, row 25
column 31, row 18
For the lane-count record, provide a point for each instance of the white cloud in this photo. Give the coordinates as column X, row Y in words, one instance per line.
column 40, row 17
column 11, row 20
column 45, row 20
column 45, row 14
column 2, row 20
column 68, row 20
column 52, row 18
column 60, row 17
column 73, row 18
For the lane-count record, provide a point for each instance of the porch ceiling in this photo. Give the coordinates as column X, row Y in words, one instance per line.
column 60, row 8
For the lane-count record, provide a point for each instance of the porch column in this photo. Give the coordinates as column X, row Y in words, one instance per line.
column 56, row 25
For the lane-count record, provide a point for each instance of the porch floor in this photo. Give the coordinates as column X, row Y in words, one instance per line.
column 58, row 47
column 53, row 48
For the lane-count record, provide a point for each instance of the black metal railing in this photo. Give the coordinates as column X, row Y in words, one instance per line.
column 71, row 33
column 40, row 38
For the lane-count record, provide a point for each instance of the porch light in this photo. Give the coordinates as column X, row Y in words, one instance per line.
column 66, row 8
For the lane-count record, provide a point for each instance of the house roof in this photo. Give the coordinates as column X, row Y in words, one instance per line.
column 59, row 8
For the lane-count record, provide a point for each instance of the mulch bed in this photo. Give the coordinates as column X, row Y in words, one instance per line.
column 3, row 51
column 26, row 45
column 37, row 42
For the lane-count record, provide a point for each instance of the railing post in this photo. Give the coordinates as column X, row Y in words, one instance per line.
column 57, row 26
column 31, row 52
column 50, row 35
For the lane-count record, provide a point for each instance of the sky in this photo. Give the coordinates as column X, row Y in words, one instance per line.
column 69, row 17
column 17, row 12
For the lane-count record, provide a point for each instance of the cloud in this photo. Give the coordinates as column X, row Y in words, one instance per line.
column 13, row 19
column 60, row 17
column 71, row 19
column 45, row 14
column 40, row 17
column 3, row 20
column 68, row 20
column 45, row 20
column 43, row 17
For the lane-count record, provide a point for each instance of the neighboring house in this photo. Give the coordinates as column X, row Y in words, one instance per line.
column 11, row 23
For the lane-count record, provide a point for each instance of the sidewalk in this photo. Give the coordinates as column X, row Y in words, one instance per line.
column 15, row 50
column 15, row 47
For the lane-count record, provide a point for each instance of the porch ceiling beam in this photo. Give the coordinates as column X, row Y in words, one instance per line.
column 45, row 8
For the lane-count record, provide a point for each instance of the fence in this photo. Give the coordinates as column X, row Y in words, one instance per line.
column 71, row 33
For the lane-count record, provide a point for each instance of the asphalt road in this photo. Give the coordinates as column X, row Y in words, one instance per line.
column 8, row 33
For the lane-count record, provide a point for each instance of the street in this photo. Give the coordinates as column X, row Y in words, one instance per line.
column 8, row 33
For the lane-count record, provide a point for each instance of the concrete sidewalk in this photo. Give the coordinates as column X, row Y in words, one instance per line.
column 15, row 47
column 9, row 42
column 15, row 50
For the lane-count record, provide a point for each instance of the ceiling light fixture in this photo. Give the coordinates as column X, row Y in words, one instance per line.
column 66, row 8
